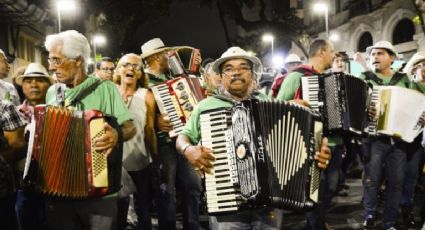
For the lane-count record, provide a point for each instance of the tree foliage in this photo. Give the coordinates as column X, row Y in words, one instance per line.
column 119, row 19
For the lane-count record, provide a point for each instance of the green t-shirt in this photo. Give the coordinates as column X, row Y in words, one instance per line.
column 192, row 128
column 289, row 86
column 404, row 82
column 105, row 98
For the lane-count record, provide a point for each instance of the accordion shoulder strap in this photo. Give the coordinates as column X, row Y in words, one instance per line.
column 371, row 76
column 398, row 77
column 394, row 80
column 84, row 93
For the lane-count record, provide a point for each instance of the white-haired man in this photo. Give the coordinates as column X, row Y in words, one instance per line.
column 7, row 90
column 238, row 71
column 68, row 55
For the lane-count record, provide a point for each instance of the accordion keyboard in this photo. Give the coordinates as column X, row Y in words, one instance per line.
column 98, row 158
column 374, row 97
column 222, row 192
column 169, row 105
column 310, row 90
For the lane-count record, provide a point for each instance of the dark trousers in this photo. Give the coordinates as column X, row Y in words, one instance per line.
column 30, row 210
column 316, row 219
column 383, row 159
column 174, row 168
column 8, row 218
column 143, row 197
column 88, row 214
column 413, row 162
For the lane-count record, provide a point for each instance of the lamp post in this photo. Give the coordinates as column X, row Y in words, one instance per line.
column 323, row 7
column 98, row 39
column 63, row 5
column 269, row 38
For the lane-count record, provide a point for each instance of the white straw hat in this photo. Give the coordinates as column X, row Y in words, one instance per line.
column 382, row 45
column 292, row 58
column 151, row 47
column 35, row 70
column 418, row 57
column 235, row 53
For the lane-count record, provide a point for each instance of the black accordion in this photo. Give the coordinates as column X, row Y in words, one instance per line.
column 264, row 156
column 340, row 98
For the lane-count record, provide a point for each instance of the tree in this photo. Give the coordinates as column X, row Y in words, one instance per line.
column 119, row 19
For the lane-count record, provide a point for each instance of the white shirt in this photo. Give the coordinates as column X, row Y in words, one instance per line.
column 8, row 92
column 136, row 156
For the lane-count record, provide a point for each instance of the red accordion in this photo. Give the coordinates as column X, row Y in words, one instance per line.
column 61, row 161
column 177, row 98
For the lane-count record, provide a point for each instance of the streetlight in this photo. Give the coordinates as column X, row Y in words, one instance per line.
column 99, row 40
column 323, row 7
column 334, row 37
column 269, row 38
column 278, row 61
column 64, row 5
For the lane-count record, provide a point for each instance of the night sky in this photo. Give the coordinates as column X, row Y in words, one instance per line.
column 187, row 24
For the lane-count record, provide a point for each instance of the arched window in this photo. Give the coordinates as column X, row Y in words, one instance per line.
column 365, row 41
column 403, row 31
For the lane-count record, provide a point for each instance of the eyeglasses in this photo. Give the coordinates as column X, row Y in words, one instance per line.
column 107, row 69
column 229, row 71
column 56, row 61
column 133, row 66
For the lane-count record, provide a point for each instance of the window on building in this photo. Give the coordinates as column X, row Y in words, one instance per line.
column 337, row 6
column 365, row 41
column 300, row 4
column 26, row 49
column 403, row 31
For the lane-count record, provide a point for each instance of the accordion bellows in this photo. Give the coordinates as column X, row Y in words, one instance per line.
column 61, row 161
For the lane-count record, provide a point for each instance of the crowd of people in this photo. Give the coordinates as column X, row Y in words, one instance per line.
column 167, row 173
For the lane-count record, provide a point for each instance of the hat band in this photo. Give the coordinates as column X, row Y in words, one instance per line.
column 39, row 73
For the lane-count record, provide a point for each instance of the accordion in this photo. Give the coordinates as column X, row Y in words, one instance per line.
column 341, row 99
column 61, row 161
column 264, row 156
column 398, row 112
column 177, row 98
column 187, row 55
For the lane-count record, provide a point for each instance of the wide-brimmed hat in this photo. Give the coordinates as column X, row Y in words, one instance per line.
column 418, row 57
column 35, row 70
column 292, row 58
column 237, row 53
column 382, row 45
column 151, row 47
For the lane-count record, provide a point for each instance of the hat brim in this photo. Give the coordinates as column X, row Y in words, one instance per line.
column 20, row 78
column 257, row 63
column 152, row 52
column 412, row 62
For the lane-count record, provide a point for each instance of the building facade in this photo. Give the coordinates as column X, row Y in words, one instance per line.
column 355, row 25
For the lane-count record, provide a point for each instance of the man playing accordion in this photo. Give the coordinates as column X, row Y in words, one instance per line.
column 69, row 52
column 238, row 71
